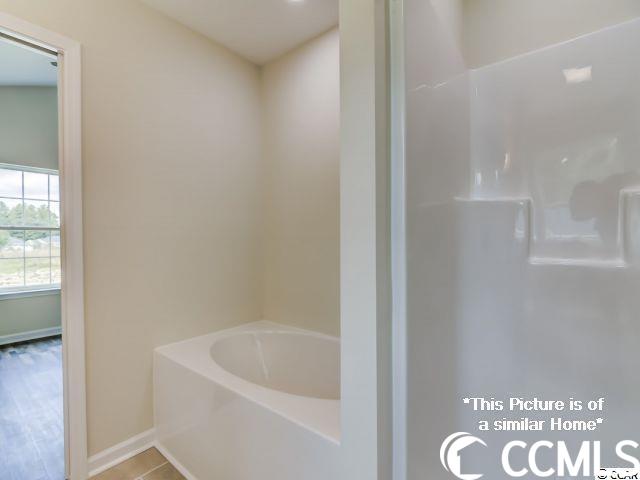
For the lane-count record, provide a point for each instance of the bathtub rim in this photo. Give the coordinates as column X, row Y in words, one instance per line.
column 317, row 415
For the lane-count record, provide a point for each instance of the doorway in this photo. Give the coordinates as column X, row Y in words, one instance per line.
column 51, row 358
column 31, row 386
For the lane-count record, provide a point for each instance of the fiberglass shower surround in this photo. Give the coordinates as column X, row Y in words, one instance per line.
column 523, row 234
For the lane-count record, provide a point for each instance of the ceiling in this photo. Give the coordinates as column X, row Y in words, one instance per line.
column 259, row 30
column 25, row 67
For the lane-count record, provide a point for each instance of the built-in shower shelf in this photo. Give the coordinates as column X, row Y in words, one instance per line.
column 508, row 221
column 486, row 200
column 579, row 262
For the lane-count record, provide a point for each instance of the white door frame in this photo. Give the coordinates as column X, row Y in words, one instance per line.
column 72, row 291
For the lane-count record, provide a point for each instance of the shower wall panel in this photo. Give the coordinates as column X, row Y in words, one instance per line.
column 560, row 126
column 523, row 258
column 437, row 171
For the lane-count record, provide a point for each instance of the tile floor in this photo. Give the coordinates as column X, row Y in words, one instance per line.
column 31, row 421
column 148, row 465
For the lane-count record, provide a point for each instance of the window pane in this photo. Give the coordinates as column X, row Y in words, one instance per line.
column 38, row 271
column 36, row 243
column 11, row 244
column 56, row 272
column 55, row 244
column 10, row 213
column 54, row 215
column 54, row 187
column 36, row 186
column 11, row 273
column 10, row 183
column 36, row 214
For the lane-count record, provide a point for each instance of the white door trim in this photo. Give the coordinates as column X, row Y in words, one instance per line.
column 70, row 160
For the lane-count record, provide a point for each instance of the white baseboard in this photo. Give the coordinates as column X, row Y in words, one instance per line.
column 32, row 335
column 172, row 460
column 111, row 457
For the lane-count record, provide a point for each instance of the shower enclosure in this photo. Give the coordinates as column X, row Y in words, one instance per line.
column 516, row 210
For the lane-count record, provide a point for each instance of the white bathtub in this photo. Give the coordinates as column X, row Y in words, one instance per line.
column 257, row 402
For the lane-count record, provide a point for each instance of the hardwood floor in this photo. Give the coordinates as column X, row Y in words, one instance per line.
column 148, row 465
column 31, row 420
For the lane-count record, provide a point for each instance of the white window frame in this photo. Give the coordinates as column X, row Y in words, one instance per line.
column 30, row 290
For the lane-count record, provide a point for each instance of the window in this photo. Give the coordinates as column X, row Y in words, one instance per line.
column 29, row 229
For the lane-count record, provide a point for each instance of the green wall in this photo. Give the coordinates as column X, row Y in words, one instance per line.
column 29, row 126
column 29, row 136
column 19, row 315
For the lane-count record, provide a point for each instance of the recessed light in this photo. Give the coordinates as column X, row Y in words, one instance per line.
column 295, row 1
column 577, row 75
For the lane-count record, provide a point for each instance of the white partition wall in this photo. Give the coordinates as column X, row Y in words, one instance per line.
column 521, row 200
column 437, row 169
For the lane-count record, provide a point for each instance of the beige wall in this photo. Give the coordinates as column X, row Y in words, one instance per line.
column 302, row 106
column 498, row 29
column 171, row 155
column 29, row 136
